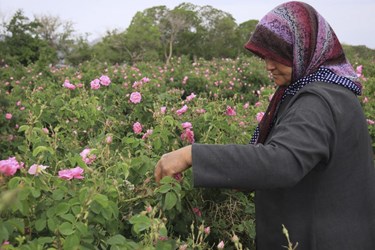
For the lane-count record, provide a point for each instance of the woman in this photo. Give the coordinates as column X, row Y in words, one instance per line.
column 310, row 159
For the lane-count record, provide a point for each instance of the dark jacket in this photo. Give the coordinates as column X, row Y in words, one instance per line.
column 315, row 173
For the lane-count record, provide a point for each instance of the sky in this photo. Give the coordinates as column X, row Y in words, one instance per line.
column 352, row 20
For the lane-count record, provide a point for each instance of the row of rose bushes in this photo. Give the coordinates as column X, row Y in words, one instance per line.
column 78, row 147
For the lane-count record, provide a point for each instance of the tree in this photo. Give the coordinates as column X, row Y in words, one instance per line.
column 143, row 36
column 58, row 34
column 219, row 39
column 244, row 31
column 21, row 43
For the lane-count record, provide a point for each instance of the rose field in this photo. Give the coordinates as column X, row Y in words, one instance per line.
column 78, row 146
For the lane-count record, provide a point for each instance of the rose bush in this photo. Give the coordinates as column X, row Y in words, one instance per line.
column 78, row 147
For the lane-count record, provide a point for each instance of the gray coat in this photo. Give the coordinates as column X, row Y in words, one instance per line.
column 315, row 173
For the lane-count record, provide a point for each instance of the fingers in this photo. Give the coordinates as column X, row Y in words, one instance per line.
column 158, row 172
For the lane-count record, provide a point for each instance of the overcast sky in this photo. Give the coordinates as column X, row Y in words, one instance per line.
column 352, row 20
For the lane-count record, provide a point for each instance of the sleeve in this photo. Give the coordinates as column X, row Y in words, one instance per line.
column 300, row 140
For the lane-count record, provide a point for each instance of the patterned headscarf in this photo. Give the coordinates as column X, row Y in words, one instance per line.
column 296, row 35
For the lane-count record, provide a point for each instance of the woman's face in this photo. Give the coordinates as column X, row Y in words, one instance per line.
column 281, row 74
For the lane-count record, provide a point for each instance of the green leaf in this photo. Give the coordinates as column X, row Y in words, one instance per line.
column 14, row 182
column 3, row 232
column 66, row 228
column 62, row 208
column 52, row 225
column 116, row 240
column 40, row 224
column 68, row 217
column 101, row 199
column 170, row 200
column 166, row 245
column 157, row 143
column 58, row 194
column 23, row 128
column 164, row 188
column 40, row 149
column 35, row 192
column 82, row 228
column 71, row 242
column 140, row 222
column 44, row 240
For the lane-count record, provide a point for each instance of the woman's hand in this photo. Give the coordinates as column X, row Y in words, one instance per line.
column 173, row 163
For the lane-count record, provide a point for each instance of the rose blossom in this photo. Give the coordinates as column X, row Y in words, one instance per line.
column 259, row 116
column 220, row 245
column 186, row 125
column 108, row 139
column 197, row 211
column 177, row 177
column 95, row 84
column 9, row 167
column 163, row 110
column 190, row 97
column 8, row 116
column 137, row 128
column 188, row 135
column 87, row 157
column 135, row 97
column 68, row 85
column 72, row 173
column 36, row 169
column 147, row 134
column 370, row 122
column 104, row 80
column 182, row 110
column 230, row 111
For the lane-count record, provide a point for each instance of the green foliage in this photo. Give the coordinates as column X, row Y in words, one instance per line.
column 21, row 43
column 117, row 205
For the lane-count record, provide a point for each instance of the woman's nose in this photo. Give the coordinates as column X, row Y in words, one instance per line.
column 270, row 65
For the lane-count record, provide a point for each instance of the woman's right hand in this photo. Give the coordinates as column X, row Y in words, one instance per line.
column 173, row 163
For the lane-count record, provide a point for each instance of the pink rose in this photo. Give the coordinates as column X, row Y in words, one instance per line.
column 182, row 110
column 137, row 128
column 200, row 111
column 188, row 135
column 9, row 167
column 108, row 139
column 207, row 230
column 163, row 110
column 68, row 85
column 135, row 97
column 231, row 111
column 72, row 173
column 186, row 125
column 197, row 211
column 259, row 116
column 220, row 245
column 178, row 177
column 95, row 84
column 104, row 80
column 36, row 169
column 370, row 122
column 8, row 116
column 147, row 134
column 190, row 97
column 359, row 70
column 87, row 157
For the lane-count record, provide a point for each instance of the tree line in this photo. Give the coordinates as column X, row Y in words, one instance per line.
column 155, row 34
